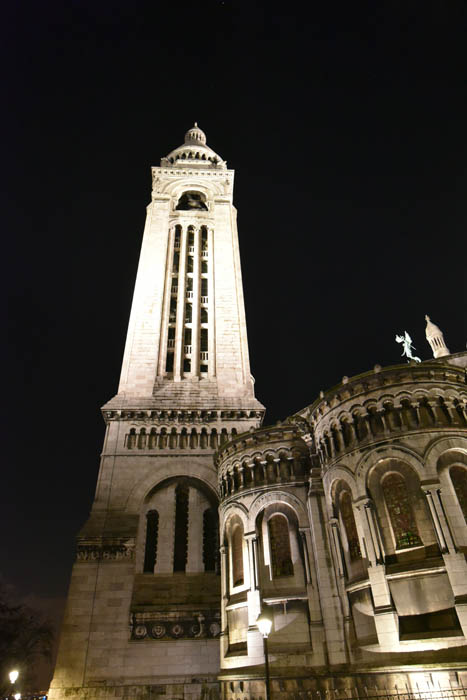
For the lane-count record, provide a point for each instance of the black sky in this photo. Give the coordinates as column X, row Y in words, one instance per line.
column 346, row 126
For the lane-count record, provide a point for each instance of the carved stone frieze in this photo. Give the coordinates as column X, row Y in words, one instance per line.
column 154, row 626
column 162, row 417
column 99, row 550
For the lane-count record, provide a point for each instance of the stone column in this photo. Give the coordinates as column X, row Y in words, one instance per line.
column 166, row 533
column 254, row 637
column 306, row 559
column 336, row 540
column 181, row 301
column 224, row 636
column 196, row 505
column 340, row 438
column 440, row 535
column 166, row 306
column 374, row 545
column 211, row 307
column 195, row 319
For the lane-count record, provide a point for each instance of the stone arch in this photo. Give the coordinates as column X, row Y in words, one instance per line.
column 234, row 527
column 229, row 511
column 441, row 445
column 340, row 473
column 394, row 483
column 175, row 189
column 266, row 499
column 378, row 454
column 180, row 502
column 147, row 484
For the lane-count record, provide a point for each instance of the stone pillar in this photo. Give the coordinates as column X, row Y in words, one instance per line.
column 306, row 559
column 166, row 532
column 224, row 635
column 181, row 301
column 196, row 506
column 254, row 637
column 211, row 307
column 250, row 537
column 337, row 546
column 372, row 537
column 435, row 517
column 166, row 306
column 386, row 619
column 456, row 565
column 195, row 319
column 327, row 587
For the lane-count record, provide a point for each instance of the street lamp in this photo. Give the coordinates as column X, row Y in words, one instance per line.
column 264, row 623
column 13, row 675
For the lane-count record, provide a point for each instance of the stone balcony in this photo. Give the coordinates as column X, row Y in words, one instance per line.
column 262, row 458
column 385, row 403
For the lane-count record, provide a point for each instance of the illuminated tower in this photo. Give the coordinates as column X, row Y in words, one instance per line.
column 144, row 601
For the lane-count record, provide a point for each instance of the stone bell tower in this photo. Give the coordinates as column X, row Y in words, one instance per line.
column 144, row 601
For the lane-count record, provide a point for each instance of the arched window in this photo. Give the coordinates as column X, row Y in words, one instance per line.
column 237, row 556
column 281, row 558
column 150, row 552
column 131, row 441
column 191, row 200
column 400, row 511
column 348, row 519
column 459, row 481
column 210, row 537
column 181, row 527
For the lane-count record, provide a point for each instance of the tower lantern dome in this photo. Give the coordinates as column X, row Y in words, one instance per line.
column 195, row 136
column 194, row 152
column 435, row 337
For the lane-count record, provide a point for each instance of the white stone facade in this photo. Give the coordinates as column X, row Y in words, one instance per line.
column 144, row 602
column 346, row 523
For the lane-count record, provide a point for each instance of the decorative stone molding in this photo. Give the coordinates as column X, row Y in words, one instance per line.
column 171, row 438
column 163, row 626
column 165, row 417
column 97, row 550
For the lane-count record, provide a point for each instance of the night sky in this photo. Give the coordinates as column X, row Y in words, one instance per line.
column 346, row 126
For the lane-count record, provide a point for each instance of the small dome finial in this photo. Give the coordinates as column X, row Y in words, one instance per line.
column 195, row 136
column 435, row 338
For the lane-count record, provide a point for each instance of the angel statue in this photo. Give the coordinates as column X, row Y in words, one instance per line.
column 406, row 341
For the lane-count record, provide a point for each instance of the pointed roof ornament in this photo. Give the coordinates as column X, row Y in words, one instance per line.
column 436, row 339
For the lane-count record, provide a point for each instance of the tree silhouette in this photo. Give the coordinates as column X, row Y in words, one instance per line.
column 25, row 637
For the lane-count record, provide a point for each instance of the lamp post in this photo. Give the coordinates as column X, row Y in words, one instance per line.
column 264, row 623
